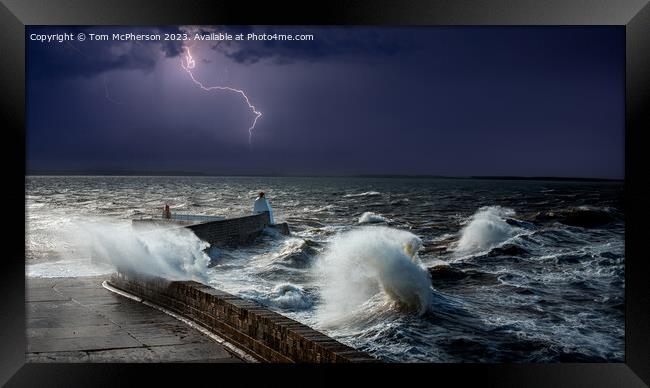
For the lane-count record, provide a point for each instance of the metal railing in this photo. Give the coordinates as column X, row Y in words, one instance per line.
column 159, row 214
column 194, row 217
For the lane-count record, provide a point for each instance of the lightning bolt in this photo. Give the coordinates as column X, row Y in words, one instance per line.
column 107, row 94
column 189, row 64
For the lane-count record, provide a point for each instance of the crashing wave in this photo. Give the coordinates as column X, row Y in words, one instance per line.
column 371, row 218
column 174, row 253
column 284, row 296
column 487, row 228
column 297, row 252
column 363, row 263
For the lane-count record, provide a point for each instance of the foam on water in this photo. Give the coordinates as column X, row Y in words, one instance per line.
column 362, row 263
column 364, row 194
column 529, row 289
column 326, row 208
column 486, row 229
column 371, row 218
column 100, row 243
column 286, row 296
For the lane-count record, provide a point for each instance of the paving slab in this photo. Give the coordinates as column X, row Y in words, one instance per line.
column 78, row 320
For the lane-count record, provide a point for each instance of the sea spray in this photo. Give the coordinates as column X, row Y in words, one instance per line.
column 285, row 296
column 486, row 229
column 174, row 253
column 564, row 260
column 364, row 194
column 296, row 252
column 371, row 218
column 365, row 262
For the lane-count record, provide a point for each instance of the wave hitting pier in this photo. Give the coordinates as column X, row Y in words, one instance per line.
column 132, row 317
column 221, row 232
column 261, row 333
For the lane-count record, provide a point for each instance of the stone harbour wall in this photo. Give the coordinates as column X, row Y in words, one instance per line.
column 266, row 335
column 236, row 231
column 232, row 231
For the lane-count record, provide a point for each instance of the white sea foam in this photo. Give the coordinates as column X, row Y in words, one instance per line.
column 322, row 209
column 284, row 296
column 364, row 194
column 67, row 268
column 372, row 260
column 487, row 228
column 289, row 296
column 370, row 218
column 100, row 242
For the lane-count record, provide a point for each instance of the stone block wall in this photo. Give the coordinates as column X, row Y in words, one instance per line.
column 232, row 231
column 266, row 335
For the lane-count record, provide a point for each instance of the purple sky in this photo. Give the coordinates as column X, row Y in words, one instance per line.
column 455, row 101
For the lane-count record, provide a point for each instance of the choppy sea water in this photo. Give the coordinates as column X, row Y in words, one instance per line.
column 409, row 270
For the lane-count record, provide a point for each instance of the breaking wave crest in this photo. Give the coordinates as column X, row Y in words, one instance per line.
column 371, row 218
column 173, row 253
column 364, row 263
column 486, row 229
column 364, row 194
column 285, row 296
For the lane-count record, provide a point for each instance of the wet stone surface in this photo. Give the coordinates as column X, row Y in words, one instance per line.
column 77, row 320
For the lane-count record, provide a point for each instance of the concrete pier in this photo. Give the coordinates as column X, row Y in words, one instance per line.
column 262, row 333
column 157, row 320
column 228, row 232
column 78, row 320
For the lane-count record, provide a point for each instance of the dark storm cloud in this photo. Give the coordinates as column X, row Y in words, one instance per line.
column 172, row 48
column 544, row 101
column 90, row 58
column 343, row 43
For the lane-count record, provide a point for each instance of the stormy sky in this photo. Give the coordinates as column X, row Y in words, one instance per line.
column 453, row 101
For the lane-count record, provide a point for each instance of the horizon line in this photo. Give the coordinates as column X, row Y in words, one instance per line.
column 280, row 175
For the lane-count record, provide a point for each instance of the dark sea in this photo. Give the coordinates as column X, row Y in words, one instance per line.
column 409, row 270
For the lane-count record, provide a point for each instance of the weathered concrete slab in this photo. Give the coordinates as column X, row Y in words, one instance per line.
column 271, row 337
column 166, row 334
column 77, row 320
column 50, row 344
column 43, row 293
column 57, row 357
column 136, row 355
column 72, row 331
column 191, row 352
column 66, row 321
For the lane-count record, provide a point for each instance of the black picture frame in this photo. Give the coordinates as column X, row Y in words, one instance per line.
column 634, row 15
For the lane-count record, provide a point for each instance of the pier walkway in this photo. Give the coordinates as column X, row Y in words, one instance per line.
column 78, row 320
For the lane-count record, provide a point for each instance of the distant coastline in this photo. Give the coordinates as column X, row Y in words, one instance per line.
column 391, row 176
